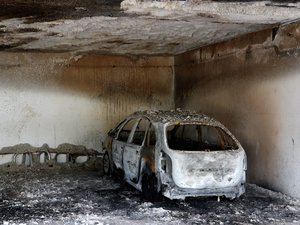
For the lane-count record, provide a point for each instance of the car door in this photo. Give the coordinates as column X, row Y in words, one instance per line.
column 121, row 139
column 133, row 148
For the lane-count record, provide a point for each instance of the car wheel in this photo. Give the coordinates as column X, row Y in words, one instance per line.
column 149, row 188
column 106, row 163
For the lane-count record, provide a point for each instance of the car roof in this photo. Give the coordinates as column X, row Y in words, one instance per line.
column 178, row 115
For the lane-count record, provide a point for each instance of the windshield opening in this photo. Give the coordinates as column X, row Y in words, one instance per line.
column 197, row 137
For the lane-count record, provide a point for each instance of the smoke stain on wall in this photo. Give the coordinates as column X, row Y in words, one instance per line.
column 101, row 75
column 235, row 81
column 42, row 94
column 122, row 83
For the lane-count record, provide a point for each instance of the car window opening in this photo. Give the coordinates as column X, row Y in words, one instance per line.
column 125, row 132
column 196, row 137
column 139, row 134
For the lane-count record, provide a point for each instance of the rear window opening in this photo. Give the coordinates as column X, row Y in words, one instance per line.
column 196, row 137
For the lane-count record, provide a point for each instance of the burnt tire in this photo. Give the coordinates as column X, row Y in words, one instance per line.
column 150, row 188
column 106, row 163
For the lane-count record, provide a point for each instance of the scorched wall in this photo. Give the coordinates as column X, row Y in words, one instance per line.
column 251, row 84
column 56, row 98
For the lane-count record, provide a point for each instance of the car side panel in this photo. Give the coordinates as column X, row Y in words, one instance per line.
column 131, row 158
column 117, row 153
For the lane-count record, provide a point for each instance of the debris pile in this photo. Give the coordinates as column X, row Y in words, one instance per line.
column 65, row 155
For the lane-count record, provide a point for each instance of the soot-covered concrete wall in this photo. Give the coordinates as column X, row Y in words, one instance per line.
column 251, row 84
column 56, row 98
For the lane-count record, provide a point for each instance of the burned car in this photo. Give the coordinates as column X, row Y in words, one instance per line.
column 176, row 154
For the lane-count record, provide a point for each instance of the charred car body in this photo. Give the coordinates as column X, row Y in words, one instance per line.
column 177, row 154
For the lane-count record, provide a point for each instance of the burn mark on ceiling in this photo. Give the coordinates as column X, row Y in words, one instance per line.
column 43, row 10
column 16, row 44
column 102, row 27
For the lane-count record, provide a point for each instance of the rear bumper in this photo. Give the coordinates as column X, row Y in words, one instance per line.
column 182, row 193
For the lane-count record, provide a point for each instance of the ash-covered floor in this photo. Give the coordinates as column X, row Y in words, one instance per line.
column 74, row 197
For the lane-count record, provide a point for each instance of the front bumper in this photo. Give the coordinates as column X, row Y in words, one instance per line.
column 182, row 193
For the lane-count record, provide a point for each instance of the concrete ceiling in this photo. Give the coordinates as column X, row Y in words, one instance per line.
column 133, row 26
